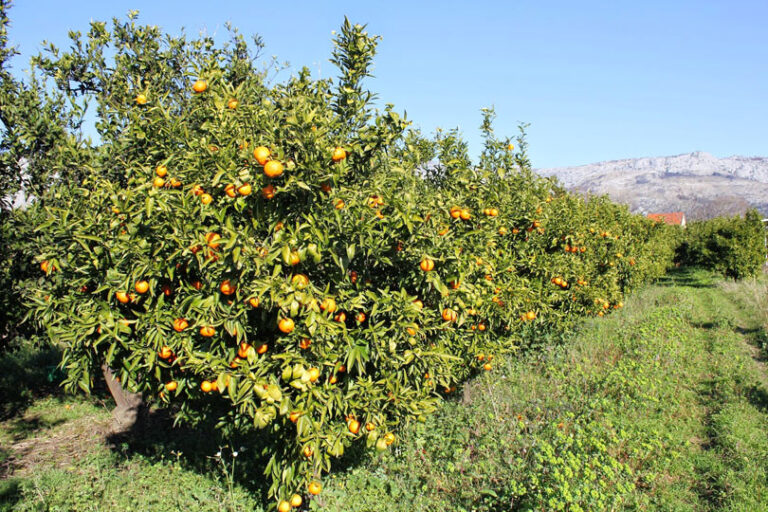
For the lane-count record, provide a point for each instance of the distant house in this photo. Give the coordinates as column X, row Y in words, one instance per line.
column 675, row 218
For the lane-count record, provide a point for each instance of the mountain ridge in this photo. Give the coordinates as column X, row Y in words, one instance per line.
column 697, row 183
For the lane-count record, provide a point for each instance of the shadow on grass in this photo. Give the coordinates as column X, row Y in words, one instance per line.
column 154, row 437
column 27, row 373
column 10, row 493
column 22, row 428
column 686, row 276
column 758, row 397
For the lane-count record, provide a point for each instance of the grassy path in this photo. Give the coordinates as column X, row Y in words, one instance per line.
column 662, row 406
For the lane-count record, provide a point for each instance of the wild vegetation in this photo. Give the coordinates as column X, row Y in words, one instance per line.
column 294, row 265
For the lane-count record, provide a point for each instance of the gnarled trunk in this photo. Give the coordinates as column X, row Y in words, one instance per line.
column 129, row 406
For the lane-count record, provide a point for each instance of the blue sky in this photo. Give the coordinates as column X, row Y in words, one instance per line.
column 596, row 80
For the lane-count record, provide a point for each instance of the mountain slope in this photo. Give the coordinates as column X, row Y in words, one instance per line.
column 699, row 184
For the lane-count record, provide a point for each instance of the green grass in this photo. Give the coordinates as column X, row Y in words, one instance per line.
column 660, row 406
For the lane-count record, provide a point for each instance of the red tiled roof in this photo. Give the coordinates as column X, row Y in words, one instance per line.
column 669, row 218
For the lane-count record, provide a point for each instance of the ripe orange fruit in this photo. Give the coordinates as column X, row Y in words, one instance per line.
column 44, row 266
column 141, row 286
column 443, row 231
column 268, row 192
column 175, row 183
column 305, row 343
column 411, row 331
column 354, row 426
column 254, row 302
column 242, row 352
column 213, row 240
column 200, row 86
column 360, row 317
column 273, row 169
column 141, row 99
column 122, row 297
column 339, row 154
column 338, row 204
column 341, row 317
column 294, row 416
column 206, row 386
column 494, row 212
column 283, row 506
column 465, row 214
column 325, row 187
column 530, row 315
column 180, row 324
column 389, row 438
column 296, row 501
column 230, row 190
column 314, row 374
column 232, row 103
column 261, row 154
column 245, row 189
column 308, row 451
column 427, row 265
column 295, row 258
column 449, row 315
column 227, row 288
column 165, row 352
column 161, row 171
column 197, row 285
column 481, row 326
column 314, row 488
column 207, row 331
column 455, row 212
column 418, row 303
column 285, row 325
column 171, row 386
column 370, row 427
column 328, row 305
column 197, row 190
column 262, row 349
column 206, row 198
column 158, row 182
column 487, row 367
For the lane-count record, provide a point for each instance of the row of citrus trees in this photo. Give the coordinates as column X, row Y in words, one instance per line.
column 735, row 247
column 296, row 262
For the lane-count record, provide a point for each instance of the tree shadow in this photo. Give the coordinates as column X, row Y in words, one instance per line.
column 26, row 374
column 758, row 397
column 684, row 276
column 154, row 436
column 23, row 427
column 10, row 493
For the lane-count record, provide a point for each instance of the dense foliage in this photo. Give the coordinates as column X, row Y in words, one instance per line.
column 288, row 258
column 732, row 246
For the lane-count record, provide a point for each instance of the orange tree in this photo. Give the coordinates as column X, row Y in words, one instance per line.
column 294, row 262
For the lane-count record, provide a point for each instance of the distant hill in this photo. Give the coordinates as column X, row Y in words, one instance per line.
column 699, row 184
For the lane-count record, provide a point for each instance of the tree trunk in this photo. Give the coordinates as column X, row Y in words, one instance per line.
column 130, row 406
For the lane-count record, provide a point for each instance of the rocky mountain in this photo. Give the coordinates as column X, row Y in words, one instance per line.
column 699, row 184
